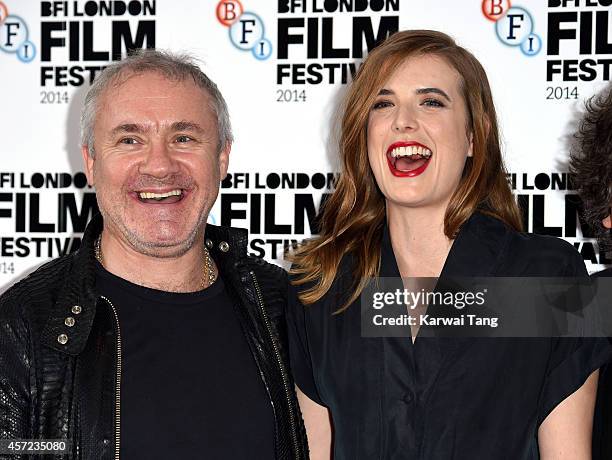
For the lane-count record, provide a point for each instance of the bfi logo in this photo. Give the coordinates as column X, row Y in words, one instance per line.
column 14, row 36
column 246, row 29
column 513, row 25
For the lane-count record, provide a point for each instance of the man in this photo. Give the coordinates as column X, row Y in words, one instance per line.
column 591, row 167
column 159, row 337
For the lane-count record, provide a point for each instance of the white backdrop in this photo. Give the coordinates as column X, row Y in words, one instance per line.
column 281, row 67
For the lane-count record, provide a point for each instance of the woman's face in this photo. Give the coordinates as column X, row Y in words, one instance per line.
column 417, row 133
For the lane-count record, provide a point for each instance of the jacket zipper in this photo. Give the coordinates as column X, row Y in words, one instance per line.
column 280, row 365
column 117, row 383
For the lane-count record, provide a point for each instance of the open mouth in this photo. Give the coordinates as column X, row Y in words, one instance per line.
column 408, row 159
column 169, row 197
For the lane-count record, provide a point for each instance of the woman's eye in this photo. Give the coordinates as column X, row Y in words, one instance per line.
column 433, row 103
column 381, row 104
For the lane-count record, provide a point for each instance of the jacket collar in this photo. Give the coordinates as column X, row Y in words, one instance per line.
column 477, row 251
column 78, row 296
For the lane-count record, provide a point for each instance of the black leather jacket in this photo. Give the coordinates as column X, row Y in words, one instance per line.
column 60, row 380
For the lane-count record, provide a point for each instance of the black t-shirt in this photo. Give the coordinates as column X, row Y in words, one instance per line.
column 441, row 398
column 190, row 387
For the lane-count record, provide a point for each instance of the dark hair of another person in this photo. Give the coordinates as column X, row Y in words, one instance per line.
column 591, row 163
column 353, row 217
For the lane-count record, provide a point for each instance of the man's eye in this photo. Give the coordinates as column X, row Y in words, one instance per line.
column 432, row 102
column 183, row 139
column 128, row 141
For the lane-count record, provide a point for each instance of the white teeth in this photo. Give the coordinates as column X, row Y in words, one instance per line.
column 151, row 195
column 410, row 150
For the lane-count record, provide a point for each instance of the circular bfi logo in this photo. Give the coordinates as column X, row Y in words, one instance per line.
column 14, row 35
column 246, row 29
column 514, row 25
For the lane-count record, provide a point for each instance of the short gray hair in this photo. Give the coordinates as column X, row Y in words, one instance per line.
column 173, row 66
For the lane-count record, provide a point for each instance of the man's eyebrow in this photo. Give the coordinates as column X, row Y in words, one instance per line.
column 186, row 126
column 129, row 128
column 433, row 90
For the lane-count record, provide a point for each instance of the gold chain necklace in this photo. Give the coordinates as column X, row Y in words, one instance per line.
column 210, row 276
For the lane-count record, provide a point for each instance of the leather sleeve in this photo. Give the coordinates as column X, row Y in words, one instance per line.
column 14, row 371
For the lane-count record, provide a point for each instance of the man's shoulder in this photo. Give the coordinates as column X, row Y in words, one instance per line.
column 268, row 275
column 234, row 242
column 40, row 286
column 226, row 239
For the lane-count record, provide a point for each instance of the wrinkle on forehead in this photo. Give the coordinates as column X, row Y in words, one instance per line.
column 127, row 74
column 124, row 78
column 110, row 100
column 154, row 103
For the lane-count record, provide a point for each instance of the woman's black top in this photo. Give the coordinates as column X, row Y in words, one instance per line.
column 442, row 398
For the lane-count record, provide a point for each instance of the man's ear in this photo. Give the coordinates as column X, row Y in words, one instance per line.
column 224, row 160
column 88, row 163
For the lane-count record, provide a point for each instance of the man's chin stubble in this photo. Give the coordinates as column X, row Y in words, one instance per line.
column 164, row 249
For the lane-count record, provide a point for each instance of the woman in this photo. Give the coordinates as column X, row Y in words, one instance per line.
column 423, row 193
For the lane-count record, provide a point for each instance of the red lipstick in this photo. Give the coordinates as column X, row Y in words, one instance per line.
column 391, row 161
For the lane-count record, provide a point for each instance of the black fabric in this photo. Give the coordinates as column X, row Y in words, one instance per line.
column 438, row 398
column 604, row 273
column 602, row 427
column 189, row 387
column 55, row 390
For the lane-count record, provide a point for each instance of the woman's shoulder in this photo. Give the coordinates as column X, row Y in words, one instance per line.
column 543, row 255
column 542, row 244
column 604, row 273
column 503, row 251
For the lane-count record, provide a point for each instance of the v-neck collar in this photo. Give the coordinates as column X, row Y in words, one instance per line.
column 478, row 250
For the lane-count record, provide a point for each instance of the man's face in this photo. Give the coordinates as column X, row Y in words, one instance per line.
column 156, row 166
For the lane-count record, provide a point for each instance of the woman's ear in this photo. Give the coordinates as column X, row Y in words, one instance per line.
column 470, row 152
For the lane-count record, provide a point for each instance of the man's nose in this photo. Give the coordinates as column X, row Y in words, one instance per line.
column 159, row 160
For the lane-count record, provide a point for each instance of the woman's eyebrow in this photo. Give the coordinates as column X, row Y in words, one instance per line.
column 434, row 90
column 387, row 92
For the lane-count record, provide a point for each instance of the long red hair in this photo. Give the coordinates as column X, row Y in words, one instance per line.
column 353, row 217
